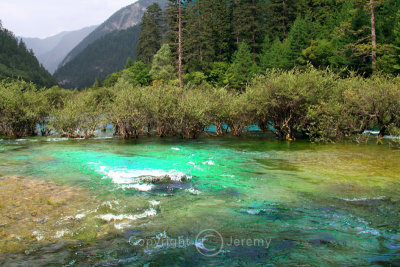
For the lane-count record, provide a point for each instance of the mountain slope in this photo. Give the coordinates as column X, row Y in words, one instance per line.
column 51, row 51
column 121, row 20
column 106, row 55
column 17, row 62
column 41, row 46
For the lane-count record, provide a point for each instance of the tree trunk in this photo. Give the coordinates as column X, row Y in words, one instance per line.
column 373, row 34
column 253, row 30
column 284, row 19
column 180, row 43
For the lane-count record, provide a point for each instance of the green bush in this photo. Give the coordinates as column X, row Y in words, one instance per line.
column 20, row 107
column 81, row 113
column 311, row 103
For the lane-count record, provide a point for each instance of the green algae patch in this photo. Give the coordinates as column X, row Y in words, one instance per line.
column 34, row 211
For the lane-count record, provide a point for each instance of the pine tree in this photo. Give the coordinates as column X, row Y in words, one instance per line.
column 242, row 68
column 396, row 43
column 198, row 36
column 276, row 56
column 97, row 83
column 150, row 37
column 280, row 16
column 162, row 68
column 129, row 63
column 298, row 39
column 221, row 27
column 247, row 22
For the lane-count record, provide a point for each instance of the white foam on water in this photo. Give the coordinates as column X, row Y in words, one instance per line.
column 103, row 137
column 112, row 217
column 228, row 175
column 80, row 216
column 141, row 180
column 121, row 226
column 209, row 162
column 38, row 235
column 193, row 191
column 175, row 148
column 129, row 176
column 139, row 187
column 61, row 233
column 110, row 204
column 371, row 231
column 191, row 163
column 154, row 202
column 253, row 211
column 363, row 199
column 57, row 139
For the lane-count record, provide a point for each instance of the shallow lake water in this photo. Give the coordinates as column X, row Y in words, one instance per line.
column 226, row 201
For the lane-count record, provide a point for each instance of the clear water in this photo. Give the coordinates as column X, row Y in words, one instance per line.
column 145, row 202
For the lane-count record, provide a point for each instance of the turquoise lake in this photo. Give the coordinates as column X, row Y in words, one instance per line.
column 144, row 202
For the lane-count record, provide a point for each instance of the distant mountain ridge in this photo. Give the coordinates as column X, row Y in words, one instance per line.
column 106, row 49
column 123, row 19
column 106, row 55
column 52, row 50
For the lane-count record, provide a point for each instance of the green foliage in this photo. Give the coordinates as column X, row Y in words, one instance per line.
column 280, row 99
column 276, row 56
column 129, row 63
column 247, row 22
column 150, row 37
column 192, row 113
column 298, row 39
column 81, row 113
column 319, row 53
column 138, row 74
column 112, row 79
column 195, row 78
column 396, row 43
column 127, row 115
column 97, row 84
column 23, row 107
column 17, row 62
column 162, row 68
column 15, row 119
column 280, row 16
column 216, row 75
column 374, row 103
column 242, row 68
column 306, row 102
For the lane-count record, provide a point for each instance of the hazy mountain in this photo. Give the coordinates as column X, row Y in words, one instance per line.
column 52, row 50
column 121, row 20
column 106, row 55
column 106, row 49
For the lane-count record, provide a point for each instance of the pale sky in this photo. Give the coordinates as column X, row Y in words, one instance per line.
column 44, row 18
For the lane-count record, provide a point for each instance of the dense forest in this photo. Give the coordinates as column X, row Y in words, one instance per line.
column 17, row 62
column 106, row 55
column 227, row 42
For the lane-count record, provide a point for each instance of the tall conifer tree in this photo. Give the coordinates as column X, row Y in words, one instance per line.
column 150, row 38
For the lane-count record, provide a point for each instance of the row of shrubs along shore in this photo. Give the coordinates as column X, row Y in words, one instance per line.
column 319, row 105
